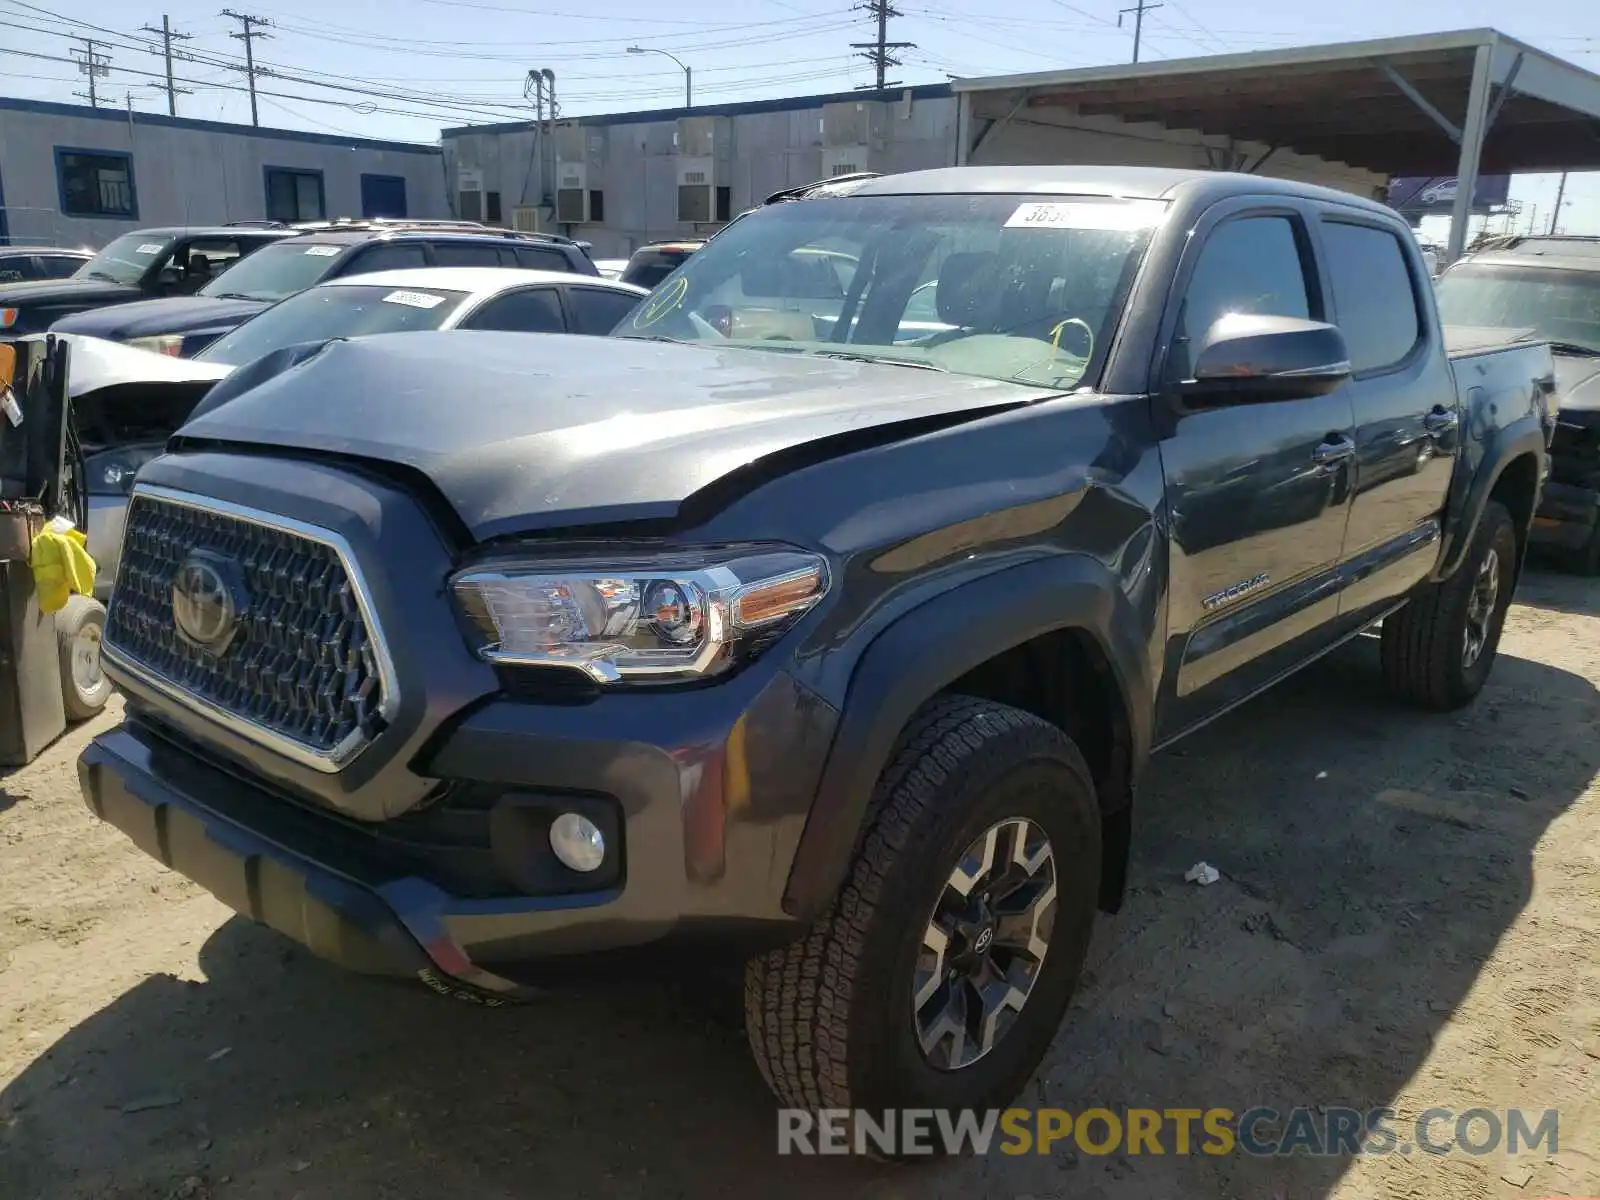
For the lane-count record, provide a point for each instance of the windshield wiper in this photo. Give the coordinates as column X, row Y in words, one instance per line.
column 1576, row 349
column 103, row 275
column 851, row 356
column 234, row 296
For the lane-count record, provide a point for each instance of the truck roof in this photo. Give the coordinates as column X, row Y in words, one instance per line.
column 1146, row 183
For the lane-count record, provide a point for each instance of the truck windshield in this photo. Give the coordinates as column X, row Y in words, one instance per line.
column 1021, row 288
column 127, row 259
column 334, row 311
column 274, row 272
column 1561, row 305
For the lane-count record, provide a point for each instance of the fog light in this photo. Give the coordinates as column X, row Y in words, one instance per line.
column 577, row 842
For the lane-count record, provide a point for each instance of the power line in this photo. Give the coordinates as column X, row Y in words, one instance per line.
column 1138, row 11
column 94, row 65
column 168, row 36
column 248, row 33
column 881, row 52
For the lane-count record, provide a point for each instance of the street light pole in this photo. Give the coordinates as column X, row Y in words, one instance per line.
column 688, row 75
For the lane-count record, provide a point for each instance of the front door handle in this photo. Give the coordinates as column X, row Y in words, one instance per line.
column 1441, row 421
column 1333, row 451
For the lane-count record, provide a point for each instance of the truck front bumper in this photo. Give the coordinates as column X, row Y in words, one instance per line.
column 1567, row 518
column 702, row 795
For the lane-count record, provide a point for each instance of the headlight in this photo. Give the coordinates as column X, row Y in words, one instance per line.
column 8, row 317
column 170, row 344
column 687, row 615
column 111, row 472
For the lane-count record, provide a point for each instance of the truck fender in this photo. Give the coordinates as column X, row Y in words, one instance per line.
column 932, row 646
column 1469, row 493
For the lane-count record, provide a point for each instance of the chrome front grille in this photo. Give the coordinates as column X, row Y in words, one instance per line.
column 297, row 662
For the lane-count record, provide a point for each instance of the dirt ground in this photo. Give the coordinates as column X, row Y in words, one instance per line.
column 1409, row 916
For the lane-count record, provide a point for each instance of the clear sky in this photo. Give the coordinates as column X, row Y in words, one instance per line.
column 403, row 69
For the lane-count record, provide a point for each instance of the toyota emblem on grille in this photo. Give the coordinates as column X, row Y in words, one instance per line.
column 206, row 600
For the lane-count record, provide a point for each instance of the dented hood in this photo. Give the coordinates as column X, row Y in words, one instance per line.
column 521, row 432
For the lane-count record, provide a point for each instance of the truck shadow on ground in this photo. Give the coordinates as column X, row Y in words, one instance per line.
column 1372, row 857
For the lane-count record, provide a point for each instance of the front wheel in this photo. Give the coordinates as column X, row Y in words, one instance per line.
column 941, row 972
column 1437, row 651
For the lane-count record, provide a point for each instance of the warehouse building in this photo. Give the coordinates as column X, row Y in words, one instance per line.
column 1348, row 116
column 72, row 175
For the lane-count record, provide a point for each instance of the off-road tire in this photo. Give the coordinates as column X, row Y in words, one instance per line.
column 829, row 1016
column 1421, row 645
column 81, row 617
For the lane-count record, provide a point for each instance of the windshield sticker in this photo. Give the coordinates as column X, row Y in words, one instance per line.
column 149, row 248
column 662, row 304
column 322, row 251
column 414, row 299
column 1125, row 215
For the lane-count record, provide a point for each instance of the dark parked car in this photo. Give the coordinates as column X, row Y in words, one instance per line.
column 842, row 652
column 650, row 264
column 146, row 263
column 1551, row 287
column 183, row 326
column 23, row 264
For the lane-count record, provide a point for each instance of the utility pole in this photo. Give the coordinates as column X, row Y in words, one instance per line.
column 881, row 52
column 1138, row 11
column 1555, row 213
column 248, row 34
column 168, row 36
column 93, row 64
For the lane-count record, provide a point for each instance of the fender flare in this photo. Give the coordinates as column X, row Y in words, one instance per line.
column 899, row 671
column 1524, row 436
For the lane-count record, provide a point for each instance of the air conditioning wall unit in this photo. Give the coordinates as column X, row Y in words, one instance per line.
column 526, row 218
column 572, row 193
column 697, row 183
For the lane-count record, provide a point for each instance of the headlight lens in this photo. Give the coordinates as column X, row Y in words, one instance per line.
column 8, row 317
column 170, row 344
column 111, row 472
column 685, row 616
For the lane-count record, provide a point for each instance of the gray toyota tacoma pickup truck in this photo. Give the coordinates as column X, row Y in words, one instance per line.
column 838, row 645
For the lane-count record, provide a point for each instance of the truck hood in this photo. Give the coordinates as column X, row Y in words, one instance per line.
column 520, row 433
column 94, row 364
column 173, row 314
column 1577, row 382
column 65, row 291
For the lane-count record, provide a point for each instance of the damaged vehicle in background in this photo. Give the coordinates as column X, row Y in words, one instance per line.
column 130, row 400
column 1549, row 288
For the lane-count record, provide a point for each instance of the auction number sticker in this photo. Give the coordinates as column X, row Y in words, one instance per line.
column 414, row 299
column 322, row 251
column 149, row 248
column 1069, row 214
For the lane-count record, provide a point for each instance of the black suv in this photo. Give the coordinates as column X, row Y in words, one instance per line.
column 308, row 255
column 136, row 266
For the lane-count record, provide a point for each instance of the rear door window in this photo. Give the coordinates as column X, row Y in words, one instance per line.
column 465, row 254
column 531, row 310
column 597, row 310
column 543, row 258
column 1374, row 298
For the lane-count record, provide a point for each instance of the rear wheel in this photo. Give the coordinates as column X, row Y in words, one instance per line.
column 1438, row 650
column 942, row 970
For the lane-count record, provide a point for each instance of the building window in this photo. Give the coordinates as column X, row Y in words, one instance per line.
column 724, row 204
column 294, row 195
column 96, row 183
column 597, row 205
column 491, row 207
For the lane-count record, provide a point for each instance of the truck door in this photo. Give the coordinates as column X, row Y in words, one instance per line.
column 1404, row 397
column 1257, row 492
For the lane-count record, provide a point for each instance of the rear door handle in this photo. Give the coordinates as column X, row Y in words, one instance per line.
column 1333, row 451
column 1441, row 421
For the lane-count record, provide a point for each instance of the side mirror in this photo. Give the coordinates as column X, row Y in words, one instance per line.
column 1248, row 358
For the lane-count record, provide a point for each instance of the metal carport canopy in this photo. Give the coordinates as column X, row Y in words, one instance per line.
column 1438, row 104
